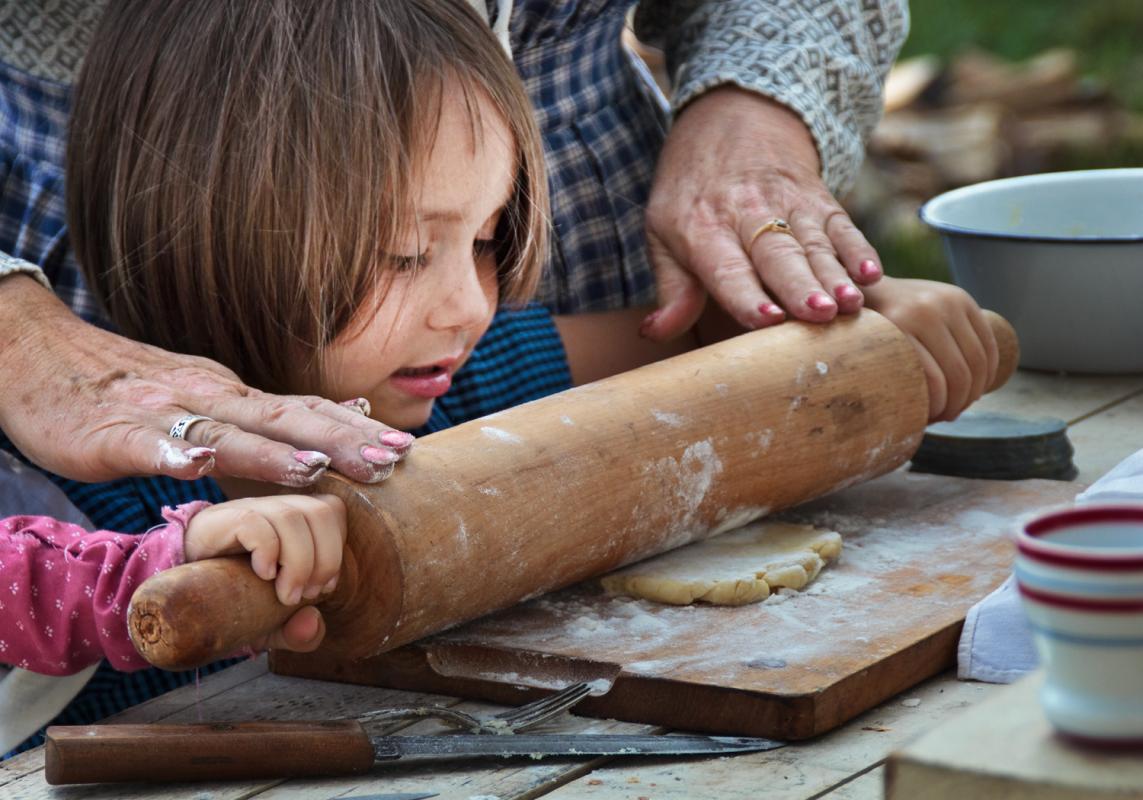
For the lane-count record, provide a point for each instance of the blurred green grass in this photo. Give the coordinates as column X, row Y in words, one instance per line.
column 1107, row 37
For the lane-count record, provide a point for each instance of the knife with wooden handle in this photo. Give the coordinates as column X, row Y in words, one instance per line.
column 254, row 750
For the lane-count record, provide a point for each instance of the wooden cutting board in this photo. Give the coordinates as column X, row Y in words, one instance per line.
column 919, row 551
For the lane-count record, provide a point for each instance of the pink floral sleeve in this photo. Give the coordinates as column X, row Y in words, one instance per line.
column 64, row 591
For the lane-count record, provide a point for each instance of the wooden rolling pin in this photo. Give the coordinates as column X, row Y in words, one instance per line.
column 507, row 507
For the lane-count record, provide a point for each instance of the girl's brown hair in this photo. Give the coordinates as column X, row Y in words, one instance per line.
column 236, row 169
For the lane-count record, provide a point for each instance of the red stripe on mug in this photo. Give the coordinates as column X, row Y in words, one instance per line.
column 1030, row 546
column 1080, row 603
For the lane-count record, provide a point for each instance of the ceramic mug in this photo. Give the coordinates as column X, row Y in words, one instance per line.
column 1080, row 575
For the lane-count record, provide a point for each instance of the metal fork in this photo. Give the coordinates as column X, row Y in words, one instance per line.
column 517, row 719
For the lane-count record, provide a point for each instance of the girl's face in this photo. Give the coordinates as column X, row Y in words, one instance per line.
column 443, row 291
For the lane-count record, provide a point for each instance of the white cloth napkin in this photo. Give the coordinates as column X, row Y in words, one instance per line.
column 996, row 644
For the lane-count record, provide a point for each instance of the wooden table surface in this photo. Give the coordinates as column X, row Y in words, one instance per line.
column 1105, row 417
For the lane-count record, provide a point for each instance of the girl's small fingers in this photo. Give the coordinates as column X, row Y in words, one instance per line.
column 946, row 351
column 325, row 519
column 259, row 538
column 934, row 380
column 296, row 559
column 975, row 355
column 988, row 340
column 853, row 250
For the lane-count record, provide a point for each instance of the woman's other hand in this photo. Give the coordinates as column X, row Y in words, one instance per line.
column 732, row 162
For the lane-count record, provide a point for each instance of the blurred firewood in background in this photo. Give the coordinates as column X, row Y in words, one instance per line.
column 976, row 119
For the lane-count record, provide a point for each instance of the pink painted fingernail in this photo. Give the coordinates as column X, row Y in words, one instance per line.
column 847, row 292
column 771, row 310
column 648, row 322
column 358, row 404
column 330, row 585
column 869, row 269
column 294, row 597
column 312, row 459
column 382, row 456
column 820, row 301
column 397, row 439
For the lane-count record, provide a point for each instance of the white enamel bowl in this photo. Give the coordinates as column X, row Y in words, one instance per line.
column 1080, row 575
column 1060, row 256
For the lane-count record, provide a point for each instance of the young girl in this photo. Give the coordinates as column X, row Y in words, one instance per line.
column 337, row 197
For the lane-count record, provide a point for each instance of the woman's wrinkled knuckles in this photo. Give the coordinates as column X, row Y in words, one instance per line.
column 735, row 273
column 837, row 223
column 775, row 245
column 815, row 244
column 275, row 409
column 225, row 437
column 150, row 396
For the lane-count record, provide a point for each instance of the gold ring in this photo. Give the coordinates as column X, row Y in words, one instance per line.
column 776, row 224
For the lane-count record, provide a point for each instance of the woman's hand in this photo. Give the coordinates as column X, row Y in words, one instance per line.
column 732, row 162
column 91, row 405
column 297, row 541
column 955, row 342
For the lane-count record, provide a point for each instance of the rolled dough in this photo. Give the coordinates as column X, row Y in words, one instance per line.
column 733, row 569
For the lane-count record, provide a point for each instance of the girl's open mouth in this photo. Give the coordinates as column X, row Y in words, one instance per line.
column 430, row 382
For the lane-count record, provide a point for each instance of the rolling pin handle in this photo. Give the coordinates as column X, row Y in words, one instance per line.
column 197, row 613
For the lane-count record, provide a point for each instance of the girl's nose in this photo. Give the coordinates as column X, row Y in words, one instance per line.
column 464, row 302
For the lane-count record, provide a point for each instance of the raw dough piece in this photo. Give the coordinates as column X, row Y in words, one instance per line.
column 733, row 569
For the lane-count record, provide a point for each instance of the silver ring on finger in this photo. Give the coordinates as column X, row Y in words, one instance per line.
column 776, row 224
column 183, row 424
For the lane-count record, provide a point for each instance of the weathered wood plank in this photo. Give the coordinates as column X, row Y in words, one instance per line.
column 1068, row 397
column 869, row 786
column 1103, row 440
column 796, row 772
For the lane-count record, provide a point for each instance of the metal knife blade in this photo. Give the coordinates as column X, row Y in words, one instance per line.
column 459, row 745
column 406, row 796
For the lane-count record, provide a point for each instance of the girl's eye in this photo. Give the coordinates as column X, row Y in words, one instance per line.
column 409, row 263
column 485, row 247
